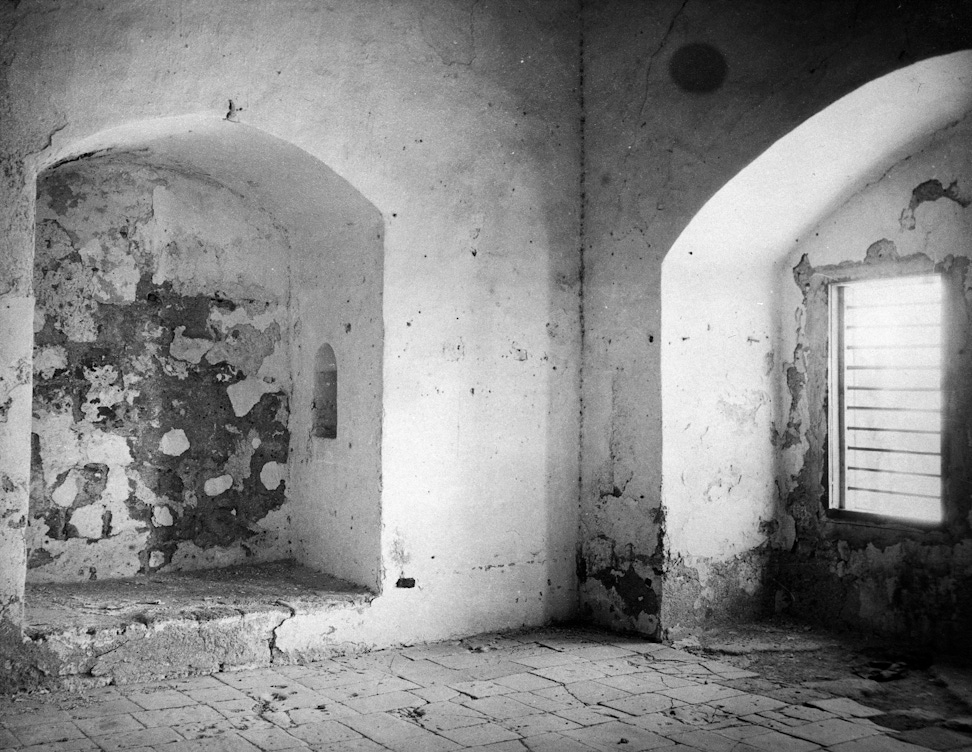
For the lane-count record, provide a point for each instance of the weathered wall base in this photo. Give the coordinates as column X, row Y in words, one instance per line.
column 904, row 590
column 703, row 593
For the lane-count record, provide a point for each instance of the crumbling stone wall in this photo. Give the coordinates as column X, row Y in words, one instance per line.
column 885, row 576
column 161, row 378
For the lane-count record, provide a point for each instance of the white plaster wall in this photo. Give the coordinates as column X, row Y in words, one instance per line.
column 460, row 127
column 721, row 383
column 16, row 338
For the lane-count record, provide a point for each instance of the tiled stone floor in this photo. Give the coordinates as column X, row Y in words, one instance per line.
column 550, row 690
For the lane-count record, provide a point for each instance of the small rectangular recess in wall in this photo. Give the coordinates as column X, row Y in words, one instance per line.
column 886, row 361
column 325, row 408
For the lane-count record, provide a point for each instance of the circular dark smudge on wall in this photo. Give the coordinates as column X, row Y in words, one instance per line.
column 698, row 68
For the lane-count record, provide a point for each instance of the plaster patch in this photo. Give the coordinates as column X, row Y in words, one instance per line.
column 177, row 368
column 117, row 488
column 51, row 241
column 59, row 443
column 47, row 360
column 272, row 475
column 187, row 348
column 245, row 347
column 245, row 394
column 238, row 464
column 104, row 392
column 143, row 493
column 117, row 274
column 216, row 486
column 195, row 232
column 174, row 443
column 68, row 294
column 255, row 313
column 190, row 556
column 105, row 448
column 65, row 494
column 742, row 411
column 89, row 521
column 107, row 558
column 121, row 517
column 104, row 409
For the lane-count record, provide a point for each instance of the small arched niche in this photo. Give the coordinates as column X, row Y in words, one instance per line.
column 325, row 393
column 185, row 272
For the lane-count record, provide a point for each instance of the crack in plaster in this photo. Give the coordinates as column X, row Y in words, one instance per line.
column 272, row 645
column 658, row 49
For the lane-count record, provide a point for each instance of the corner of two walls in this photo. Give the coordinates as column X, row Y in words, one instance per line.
column 336, row 301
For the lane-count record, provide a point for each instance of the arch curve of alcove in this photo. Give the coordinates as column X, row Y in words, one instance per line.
column 721, row 376
column 334, row 263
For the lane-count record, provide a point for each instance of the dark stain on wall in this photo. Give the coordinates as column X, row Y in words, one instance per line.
column 931, row 190
column 144, row 378
column 632, row 582
column 635, row 592
column 698, row 68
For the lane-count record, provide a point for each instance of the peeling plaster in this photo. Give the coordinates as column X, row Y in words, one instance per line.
column 892, row 578
column 138, row 373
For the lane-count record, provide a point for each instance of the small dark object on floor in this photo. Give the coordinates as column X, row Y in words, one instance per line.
column 882, row 671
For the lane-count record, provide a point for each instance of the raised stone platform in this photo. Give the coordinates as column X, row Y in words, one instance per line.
column 170, row 625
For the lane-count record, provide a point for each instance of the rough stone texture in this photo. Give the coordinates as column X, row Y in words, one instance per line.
column 890, row 578
column 220, row 639
column 152, row 306
column 169, row 624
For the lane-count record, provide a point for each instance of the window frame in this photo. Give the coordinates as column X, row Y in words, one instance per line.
column 835, row 452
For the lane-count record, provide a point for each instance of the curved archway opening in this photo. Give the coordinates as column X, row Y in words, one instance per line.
column 186, row 271
column 724, row 390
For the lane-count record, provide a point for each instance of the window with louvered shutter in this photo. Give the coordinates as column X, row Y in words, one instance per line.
column 886, row 359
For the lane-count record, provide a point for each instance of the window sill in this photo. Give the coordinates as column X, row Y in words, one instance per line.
column 861, row 528
column 867, row 519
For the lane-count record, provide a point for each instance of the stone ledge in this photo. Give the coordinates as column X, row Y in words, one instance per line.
column 172, row 625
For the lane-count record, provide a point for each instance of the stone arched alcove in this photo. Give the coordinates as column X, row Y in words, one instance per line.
column 187, row 270
column 723, row 309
